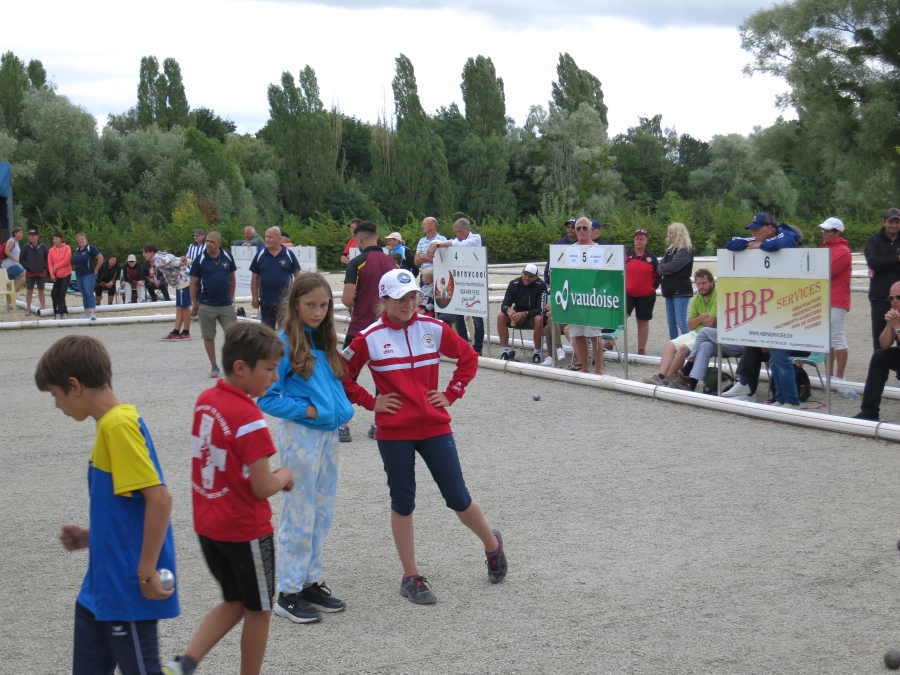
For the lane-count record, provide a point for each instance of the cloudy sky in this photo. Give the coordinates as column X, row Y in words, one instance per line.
column 678, row 58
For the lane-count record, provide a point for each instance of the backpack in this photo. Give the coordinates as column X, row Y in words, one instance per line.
column 804, row 387
column 3, row 250
column 711, row 381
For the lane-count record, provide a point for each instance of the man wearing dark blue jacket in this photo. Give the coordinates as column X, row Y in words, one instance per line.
column 770, row 237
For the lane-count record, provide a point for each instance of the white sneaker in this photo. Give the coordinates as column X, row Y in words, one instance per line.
column 775, row 404
column 790, row 405
column 835, row 378
column 737, row 390
column 560, row 354
column 744, row 398
column 548, row 361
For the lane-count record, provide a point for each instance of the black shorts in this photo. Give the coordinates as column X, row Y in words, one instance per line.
column 245, row 570
column 644, row 306
column 31, row 282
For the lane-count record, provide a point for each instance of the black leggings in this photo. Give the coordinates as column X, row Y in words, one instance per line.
column 58, row 295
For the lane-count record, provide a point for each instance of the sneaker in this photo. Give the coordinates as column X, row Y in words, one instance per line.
column 241, row 312
column 675, row 384
column 681, row 378
column 655, row 379
column 64, row 315
column 344, row 434
column 319, row 597
column 171, row 336
column 835, row 378
column 173, row 668
column 57, row 317
column 536, row 358
column 508, row 356
column 93, row 317
column 863, row 416
column 417, row 591
column 744, row 398
column 737, row 390
column 371, row 432
column 794, row 406
column 214, row 373
column 560, row 353
column 27, row 312
column 774, row 404
column 548, row 361
column 183, row 335
column 496, row 563
column 642, row 352
column 297, row 608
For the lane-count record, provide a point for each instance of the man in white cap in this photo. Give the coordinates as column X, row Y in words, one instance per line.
column 464, row 237
column 522, row 308
column 841, row 267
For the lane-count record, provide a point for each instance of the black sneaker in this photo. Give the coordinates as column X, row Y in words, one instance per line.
column 508, row 356
column 536, row 357
column 864, row 416
column 241, row 312
column 297, row 608
column 319, row 596
column 344, row 434
column 417, row 590
column 496, row 563
column 371, row 432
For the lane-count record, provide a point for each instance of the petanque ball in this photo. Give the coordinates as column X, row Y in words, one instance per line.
column 892, row 659
column 167, row 580
column 537, row 397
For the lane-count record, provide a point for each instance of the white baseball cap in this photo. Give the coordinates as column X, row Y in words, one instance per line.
column 396, row 283
column 833, row 224
column 131, row 258
column 531, row 269
column 395, row 235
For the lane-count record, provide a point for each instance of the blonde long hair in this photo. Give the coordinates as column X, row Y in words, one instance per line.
column 682, row 236
column 301, row 358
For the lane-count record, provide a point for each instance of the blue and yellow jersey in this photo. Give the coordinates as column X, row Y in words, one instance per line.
column 123, row 462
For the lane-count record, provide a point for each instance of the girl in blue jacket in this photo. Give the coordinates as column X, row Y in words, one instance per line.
column 310, row 402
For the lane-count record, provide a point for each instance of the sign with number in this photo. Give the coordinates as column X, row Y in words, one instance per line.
column 780, row 299
column 461, row 281
column 587, row 285
column 306, row 256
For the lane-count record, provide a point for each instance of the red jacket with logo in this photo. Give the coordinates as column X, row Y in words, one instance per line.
column 841, row 266
column 406, row 361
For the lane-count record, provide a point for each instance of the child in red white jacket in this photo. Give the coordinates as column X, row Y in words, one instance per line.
column 403, row 351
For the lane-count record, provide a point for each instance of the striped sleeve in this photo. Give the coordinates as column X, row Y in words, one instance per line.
column 252, row 440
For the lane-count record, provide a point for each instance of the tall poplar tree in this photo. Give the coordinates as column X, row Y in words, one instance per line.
column 13, row 85
column 575, row 86
column 146, row 94
column 484, row 97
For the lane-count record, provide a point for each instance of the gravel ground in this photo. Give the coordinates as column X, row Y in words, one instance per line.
column 641, row 534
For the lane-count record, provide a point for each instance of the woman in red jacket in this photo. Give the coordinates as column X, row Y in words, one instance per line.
column 841, row 266
column 641, row 281
column 403, row 350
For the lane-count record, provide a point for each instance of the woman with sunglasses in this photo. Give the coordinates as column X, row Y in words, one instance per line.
column 403, row 350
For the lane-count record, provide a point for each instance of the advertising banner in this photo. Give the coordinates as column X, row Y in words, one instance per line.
column 780, row 299
column 588, row 285
column 243, row 256
column 461, row 281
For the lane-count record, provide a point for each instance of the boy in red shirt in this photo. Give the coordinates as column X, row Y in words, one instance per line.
column 230, row 447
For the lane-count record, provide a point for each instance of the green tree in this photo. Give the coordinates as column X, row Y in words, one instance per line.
column 841, row 61
column 13, row 85
column 213, row 126
column 300, row 132
column 176, row 101
column 645, row 159
column 37, row 75
column 575, row 86
column 484, row 97
column 146, row 95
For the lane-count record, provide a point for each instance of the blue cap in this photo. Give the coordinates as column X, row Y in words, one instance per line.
column 595, row 225
column 761, row 219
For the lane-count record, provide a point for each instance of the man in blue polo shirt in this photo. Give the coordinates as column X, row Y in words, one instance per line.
column 272, row 270
column 212, row 293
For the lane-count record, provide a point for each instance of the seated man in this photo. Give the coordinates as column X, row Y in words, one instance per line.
column 522, row 307
column 701, row 313
column 883, row 361
column 705, row 348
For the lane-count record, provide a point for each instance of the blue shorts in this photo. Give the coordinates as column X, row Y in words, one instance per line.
column 14, row 272
column 442, row 460
column 101, row 645
column 183, row 297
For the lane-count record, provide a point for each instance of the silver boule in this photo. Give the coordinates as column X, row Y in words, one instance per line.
column 166, row 578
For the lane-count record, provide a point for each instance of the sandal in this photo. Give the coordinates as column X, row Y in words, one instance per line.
column 576, row 367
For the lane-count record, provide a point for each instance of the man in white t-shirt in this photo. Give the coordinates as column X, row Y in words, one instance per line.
column 464, row 237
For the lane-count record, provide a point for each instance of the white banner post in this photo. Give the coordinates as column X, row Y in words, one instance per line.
column 461, row 284
column 776, row 300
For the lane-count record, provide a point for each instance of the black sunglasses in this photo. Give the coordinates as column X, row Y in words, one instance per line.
column 891, row 298
column 582, row 229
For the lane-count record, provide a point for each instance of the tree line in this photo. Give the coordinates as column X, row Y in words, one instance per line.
column 160, row 169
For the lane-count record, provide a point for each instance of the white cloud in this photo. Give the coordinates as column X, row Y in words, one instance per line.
column 230, row 50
